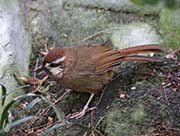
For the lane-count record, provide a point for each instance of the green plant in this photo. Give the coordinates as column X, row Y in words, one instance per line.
column 6, row 125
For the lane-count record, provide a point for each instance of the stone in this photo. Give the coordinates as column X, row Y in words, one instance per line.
column 133, row 34
column 15, row 49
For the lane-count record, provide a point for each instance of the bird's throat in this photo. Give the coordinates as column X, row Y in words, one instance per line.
column 57, row 72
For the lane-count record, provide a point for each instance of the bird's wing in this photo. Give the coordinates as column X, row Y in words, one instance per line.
column 97, row 59
column 84, row 76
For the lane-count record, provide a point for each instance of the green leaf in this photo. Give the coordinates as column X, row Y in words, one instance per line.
column 32, row 104
column 51, row 129
column 16, row 77
column 3, row 94
column 12, row 91
column 59, row 113
column 17, row 122
column 1, row 132
column 4, row 115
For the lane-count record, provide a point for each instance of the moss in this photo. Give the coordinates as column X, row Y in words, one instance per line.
column 143, row 2
column 141, row 75
column 138, row 114
column 122, row 122
column 170, row 27
column 118, row 123
column 74, row 24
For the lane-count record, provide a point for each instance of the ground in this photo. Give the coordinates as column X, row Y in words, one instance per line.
column 143, row 99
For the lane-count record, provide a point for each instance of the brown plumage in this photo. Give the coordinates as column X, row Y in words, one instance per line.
column 90, row 68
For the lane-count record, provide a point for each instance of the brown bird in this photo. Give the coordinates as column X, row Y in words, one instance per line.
column 90, row 68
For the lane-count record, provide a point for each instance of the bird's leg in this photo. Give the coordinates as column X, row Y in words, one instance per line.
column 86, row 108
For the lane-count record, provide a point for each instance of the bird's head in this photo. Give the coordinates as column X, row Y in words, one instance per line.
column 53, row 62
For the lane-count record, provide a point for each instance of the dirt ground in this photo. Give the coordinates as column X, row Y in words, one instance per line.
column 142, row 100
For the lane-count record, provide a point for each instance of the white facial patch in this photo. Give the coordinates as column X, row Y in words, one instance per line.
column 58, row 72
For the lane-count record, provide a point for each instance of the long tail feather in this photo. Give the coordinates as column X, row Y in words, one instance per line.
column 141, row 48
column 112, row 58
column 141, row 58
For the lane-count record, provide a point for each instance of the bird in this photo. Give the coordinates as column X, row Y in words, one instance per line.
column 90, row 68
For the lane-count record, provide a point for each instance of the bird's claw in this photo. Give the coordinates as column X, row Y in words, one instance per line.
column 44, row 53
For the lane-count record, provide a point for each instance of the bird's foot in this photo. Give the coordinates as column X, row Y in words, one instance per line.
column 44, row 53
column 80, row 114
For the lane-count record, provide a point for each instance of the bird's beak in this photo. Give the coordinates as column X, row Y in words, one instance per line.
column 40, row 68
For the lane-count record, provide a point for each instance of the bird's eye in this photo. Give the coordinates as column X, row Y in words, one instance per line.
column 55, row 65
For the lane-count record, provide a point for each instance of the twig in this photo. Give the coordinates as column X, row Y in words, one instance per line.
column 97, row 33
column 64, row 94
column 99, row 121
column 165, row 95
column 40, row 113
column 97, row 131
column 153, row 134
column 106, row 88
column 32, row 121
column 36, row 65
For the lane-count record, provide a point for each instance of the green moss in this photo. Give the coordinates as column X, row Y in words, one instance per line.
column 170, row 27
column 74, row 24
column 137, row 114
column 143, row 2
column 124, row 121
column 118, row 123
column 142, row 72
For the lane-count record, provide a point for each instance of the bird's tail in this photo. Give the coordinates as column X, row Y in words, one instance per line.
column 112, row 58
column 141, row 48
column 127, row 53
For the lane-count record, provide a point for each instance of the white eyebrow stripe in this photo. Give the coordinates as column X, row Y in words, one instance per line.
column 59, row 60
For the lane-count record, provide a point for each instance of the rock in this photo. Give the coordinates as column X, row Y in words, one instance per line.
column 15, row 49
column 120, row 5
column 66, row 24
column 135, row 34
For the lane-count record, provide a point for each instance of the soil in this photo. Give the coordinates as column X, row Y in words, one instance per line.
column 152, row 89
